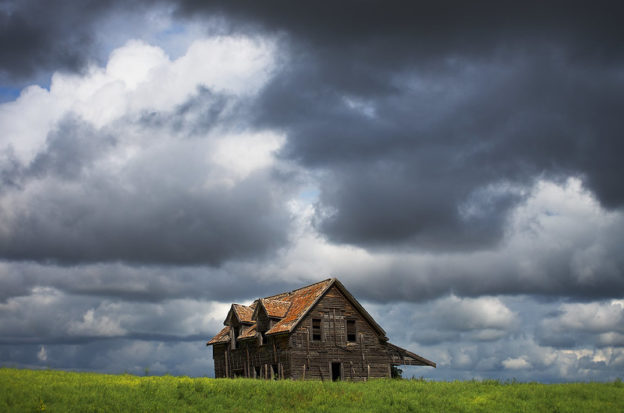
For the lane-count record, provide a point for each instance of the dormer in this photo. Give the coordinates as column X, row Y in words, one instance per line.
column 238, row 317
column 267, row 313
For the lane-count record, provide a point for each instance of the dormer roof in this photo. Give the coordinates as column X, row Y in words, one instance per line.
column 242, row 313
column 273, row 308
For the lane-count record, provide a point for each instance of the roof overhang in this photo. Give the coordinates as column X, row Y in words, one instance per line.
column 401, row 356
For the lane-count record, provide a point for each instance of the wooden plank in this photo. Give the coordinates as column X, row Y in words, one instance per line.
column 226, row 364
column 248, row 364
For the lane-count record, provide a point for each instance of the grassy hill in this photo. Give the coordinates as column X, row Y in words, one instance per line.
column 48, row 390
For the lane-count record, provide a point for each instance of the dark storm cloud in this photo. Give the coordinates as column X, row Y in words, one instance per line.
column 441, row 100
column 232, row 282
column 109, row 225
column 36, row 38
column 417, row 110
column 548, row 273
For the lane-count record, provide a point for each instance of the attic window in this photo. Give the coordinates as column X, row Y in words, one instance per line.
column 351, row 331
column 316, row 329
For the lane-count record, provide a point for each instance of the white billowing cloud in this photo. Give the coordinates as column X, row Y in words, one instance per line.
column 37, row 307
column 49, row 313
column 26, row 121
column 564, row 219
column 487, row 313
column 140, row 141
column 138, row 78
column 42, row 354
column 516, row 363
column 597, row 323
column 462, row 358
column 95, row 326
column 133, row 63
column 597, row 317
column 611, row 339
column 180, row 317
column 241, row 154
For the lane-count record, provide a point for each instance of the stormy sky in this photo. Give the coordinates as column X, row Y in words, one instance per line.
column 457, row 166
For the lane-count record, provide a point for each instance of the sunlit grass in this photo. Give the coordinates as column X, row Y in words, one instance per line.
column 48, row 390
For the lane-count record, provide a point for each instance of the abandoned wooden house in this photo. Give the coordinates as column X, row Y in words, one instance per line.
column 316, row 332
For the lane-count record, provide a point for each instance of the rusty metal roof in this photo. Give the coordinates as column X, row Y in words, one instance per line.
column 301, row 300
column 222, row 336
column 290, row 307
column 275, row 308
column 243, row 313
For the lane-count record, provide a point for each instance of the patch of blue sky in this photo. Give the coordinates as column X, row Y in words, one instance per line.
column 309, row 194
column 9, row 94
column 171, row 30
column 174, row 39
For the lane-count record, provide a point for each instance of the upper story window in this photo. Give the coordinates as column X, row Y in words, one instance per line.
column 316, row 329
column 351, row 331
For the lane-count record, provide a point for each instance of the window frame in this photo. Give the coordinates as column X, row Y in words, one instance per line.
column 353, row 322
column 317, row 336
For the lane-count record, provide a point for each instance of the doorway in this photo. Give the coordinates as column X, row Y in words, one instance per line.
column 336, row 371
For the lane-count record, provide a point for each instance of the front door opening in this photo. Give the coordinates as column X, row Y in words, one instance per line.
column 335, row 371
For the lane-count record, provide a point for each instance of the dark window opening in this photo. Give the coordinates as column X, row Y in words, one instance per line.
column 316, row 329
column 335, row 371
column 351, row 331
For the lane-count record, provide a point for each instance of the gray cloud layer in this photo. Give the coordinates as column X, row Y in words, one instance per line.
column 463, row 162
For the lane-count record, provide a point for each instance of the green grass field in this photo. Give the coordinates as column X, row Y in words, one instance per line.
column 58, row 391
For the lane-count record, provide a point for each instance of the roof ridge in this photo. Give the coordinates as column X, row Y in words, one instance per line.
column 300, row 288
column 278, row 301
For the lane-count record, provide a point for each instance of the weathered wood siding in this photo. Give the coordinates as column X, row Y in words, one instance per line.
column 365, row 358
column 271, row 358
